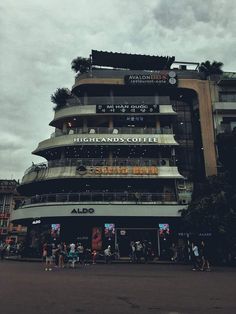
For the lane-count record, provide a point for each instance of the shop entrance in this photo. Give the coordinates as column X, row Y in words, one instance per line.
column 123, row 237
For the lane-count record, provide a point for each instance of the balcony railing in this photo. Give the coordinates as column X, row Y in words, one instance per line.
column 107, row 100
column 95, row 130
column 103, row 197
column 74, row 162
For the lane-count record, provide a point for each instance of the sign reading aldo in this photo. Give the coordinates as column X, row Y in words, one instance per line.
column 83, row 211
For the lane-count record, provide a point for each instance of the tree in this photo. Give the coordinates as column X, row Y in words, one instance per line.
column 81, row 65
column 60, row 97
column 226, row 144
column 209, row 68
column 213, row 209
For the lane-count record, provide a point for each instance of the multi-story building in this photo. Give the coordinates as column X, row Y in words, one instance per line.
column 9, row 199
column 124, row 154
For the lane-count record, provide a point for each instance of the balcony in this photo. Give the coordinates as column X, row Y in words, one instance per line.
column 93, row 162
column 103, row 197
column 74, row 109
column 113, row 139
column 82, row 172
column 225, row 107
column 115, row 131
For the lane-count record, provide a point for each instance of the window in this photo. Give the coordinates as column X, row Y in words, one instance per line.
column 227, row 96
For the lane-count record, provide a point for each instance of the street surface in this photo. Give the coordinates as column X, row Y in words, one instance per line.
column 118, row 288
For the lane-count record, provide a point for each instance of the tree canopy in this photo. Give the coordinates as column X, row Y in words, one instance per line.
column 80, row 65
column 213, row 208
column 60, row 97
column 209, row 68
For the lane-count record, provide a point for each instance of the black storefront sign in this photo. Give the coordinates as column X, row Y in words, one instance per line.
column 127, row 108
column 158, row 78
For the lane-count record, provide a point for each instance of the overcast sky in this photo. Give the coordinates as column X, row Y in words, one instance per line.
column 39, row 39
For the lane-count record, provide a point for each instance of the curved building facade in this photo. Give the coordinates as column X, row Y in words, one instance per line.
column 123, row 156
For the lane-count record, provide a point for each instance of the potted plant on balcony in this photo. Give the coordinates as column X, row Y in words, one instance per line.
column 60, row 97
column 81, row 65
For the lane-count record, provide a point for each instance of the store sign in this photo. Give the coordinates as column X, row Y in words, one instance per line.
column 157, row 78
column 36, row 222
column 127, row 108
column 104, row 170
column 83, row 211
column 115, row 140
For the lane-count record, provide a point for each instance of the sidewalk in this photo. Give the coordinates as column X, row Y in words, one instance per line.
column 123, row 260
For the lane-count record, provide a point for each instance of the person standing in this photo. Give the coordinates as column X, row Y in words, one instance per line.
column 139, row 251
column 205, row 257
column 47, row 252
column 132, row 252
column 80, row 250
column 195, row 256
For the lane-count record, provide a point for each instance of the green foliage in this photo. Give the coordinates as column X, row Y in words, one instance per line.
column 80, row 65
column 209, row 68
column 60, row 97
column 226, row 143
column 213, row 207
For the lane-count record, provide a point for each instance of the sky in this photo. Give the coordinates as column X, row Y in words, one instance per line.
column 40, row 38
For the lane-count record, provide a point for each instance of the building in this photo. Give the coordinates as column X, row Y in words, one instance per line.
column 128, row 144
column 9, row 199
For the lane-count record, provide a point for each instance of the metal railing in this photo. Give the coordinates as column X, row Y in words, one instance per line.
column 115, row 100
column 102, row 197
column 118, row 130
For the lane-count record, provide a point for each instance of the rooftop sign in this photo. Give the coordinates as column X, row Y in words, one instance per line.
column 158, row 78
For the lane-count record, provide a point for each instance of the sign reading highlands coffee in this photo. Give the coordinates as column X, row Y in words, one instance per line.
column 157, row 78
column 127, row 108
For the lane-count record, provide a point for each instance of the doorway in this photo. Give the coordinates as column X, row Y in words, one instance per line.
column 123, row 237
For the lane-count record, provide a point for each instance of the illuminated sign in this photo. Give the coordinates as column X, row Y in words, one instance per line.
column 157, row 78
column 104, row 170
column 127, row 108
column 36, row 222
column 115, row 140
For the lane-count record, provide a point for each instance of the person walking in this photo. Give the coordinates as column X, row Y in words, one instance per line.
column 107, row 254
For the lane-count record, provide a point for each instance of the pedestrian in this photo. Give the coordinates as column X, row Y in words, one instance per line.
column 174, row 250
column 107, row 254
column 94, row 256
column 80, row 250
column 2, row 250
column 195, row 256
column 138, row 250
column 205, row 257
column 47, row 253
column 132, row 252
column 145, row 251
column 62, row 255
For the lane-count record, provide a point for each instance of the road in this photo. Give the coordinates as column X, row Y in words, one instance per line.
column 118, row 288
